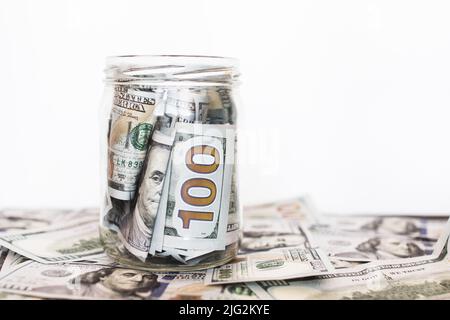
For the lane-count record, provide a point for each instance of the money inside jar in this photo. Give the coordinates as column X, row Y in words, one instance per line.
column 171, row 200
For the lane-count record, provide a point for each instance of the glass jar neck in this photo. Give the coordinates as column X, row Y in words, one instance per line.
column 190, row 71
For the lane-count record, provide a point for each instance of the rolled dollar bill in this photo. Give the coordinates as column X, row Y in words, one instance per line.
column 186, row 105
column 219, row 107
column 131, row 124
column 137, row 228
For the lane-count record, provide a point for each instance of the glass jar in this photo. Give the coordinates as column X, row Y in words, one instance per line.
column 169, row 179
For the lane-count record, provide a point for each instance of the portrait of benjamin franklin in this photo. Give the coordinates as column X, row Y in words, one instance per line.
column 12, row 223
column 107, row 283
column 273, row 242
column 138, row 227
column 117, row 282
column 239, row 290
column 392, row 225
column 386, row 248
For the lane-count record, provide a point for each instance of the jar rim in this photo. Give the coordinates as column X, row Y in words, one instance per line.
column 172, row 56
column 159, row 69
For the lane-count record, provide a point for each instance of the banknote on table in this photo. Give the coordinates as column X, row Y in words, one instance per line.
column 278, row 225
column 18, row 220
column 93, row 282
column 12, row 296
column 356, row 238
column 263, row 244
column 263, row 234
column 274, row 264
column 255, row 227
column 366, row 247
column 425, row 227
column 3, row 255
column 190, row 286
column 277, row 249
column 73, row 240
column 339, row 264
column 407, row 278
column 101, row 259
column 413, row 278
column 75, row 281
column 297, row 209
column 12, row 259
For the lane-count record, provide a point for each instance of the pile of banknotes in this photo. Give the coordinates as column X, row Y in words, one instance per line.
column 170, row 172
column 288, row 251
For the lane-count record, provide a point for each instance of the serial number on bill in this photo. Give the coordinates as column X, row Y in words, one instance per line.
column 226, row 310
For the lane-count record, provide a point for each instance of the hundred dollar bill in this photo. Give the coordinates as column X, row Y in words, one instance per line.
column 220, row 109
column 192, row 256
column 71, row 241
column 82, row 281
column 138, row 228
column 413, row 278
column 261, row 244
column 190, row 286
column 94, row 282
column 200, row 186
column 101, row 259
column 180, row 105
column 272, row 265
column 299, row 209
column 12, row 259
column 184, row 105
column 410, row 226
column 131, row 124
column 156, row 245
column 256, row 227
column 3, row 254
column 19, row 220
column 343, row 264
column 11, row 296
column 370, row 247
column 187, row 105
column 267, row 233
column 232, row 235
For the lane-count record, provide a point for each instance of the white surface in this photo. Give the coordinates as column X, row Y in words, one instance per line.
column 346, row 100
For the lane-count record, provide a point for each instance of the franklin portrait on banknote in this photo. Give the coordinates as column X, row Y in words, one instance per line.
column 238, row 289
column 107, row 283
column 386, row 248
column 8, row 224
column 137, row 228
column 392, row 225
column 273, row 242
column 150, row 193
column 379, row 248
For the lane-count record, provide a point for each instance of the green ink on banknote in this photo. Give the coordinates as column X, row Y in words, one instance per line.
column 139, row 136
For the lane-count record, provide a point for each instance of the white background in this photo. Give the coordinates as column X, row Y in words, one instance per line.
column 346, row 100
